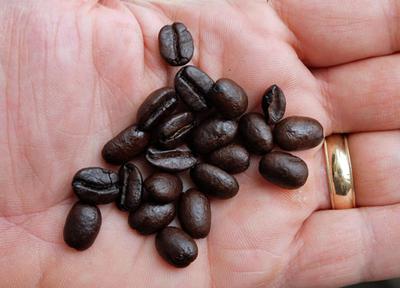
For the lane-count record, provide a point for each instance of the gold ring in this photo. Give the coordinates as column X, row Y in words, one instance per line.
column 339, row 171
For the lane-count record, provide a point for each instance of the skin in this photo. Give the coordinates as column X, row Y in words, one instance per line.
column 72, row 74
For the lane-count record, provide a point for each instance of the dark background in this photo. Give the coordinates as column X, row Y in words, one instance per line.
column 395, row 283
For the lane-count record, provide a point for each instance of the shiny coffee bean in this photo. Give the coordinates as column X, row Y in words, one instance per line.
column 176, row 247
column 175, row 129
column 176, row 44
column 131, row 187
column 157, row 106
column 163, row 187
column 174, row 160
column 214, row 181
column 82, row 226
column 273, row 104
column 298, row 133
column 96, row 185
column 150, row 217
column 256, row 134
column 232, row 158
column 126, row 145
column 194, row 213
column 193, row 86
column 229, row 98
column 212, row 134
column 283, row 169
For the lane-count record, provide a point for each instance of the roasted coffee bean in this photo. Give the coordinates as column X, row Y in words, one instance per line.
column 256, row 134
column 96, row 185
column 82, row 226
column 194, row 213
column 174, row 160
column 126, row 145
column 131, row 187
column 150, row 217
column 229, row 98
column 232, row 158
column 273, row 104
column 212, row 134
column 174, row 130
column 214, row 181
column 157, row 106
column 176, row 44
column 163, row 187
column 283, row 169
column 298, row 133
column 176, row 247
column 193, row 86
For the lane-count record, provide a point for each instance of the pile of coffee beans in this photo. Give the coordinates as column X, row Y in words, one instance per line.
column 199, row 125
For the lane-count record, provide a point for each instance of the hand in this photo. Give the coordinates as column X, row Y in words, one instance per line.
column 73, row 74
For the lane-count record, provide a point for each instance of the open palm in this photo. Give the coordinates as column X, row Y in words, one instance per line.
column 72, row 74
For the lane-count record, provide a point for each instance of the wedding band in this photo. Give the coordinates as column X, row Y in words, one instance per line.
column 339, row 171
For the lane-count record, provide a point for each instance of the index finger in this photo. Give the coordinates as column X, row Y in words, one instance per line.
column 334, row 32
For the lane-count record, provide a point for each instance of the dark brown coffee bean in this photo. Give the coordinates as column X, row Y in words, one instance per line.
column 174, row 130
column 150, row 217
column 212, row 134
column 283, row 169
column 273, row 104
column 174, row 160
column 82, row 226
column 229, row 98
column 232, row 158
column 131, row 186
column 176, row 247
column 157, row 106
column 126, row 145
column 194, row 213
column 176, row 44
column 96, row 185
column 256, row 134
column 163, row 187
column 193, row 86
column 298, row 133
column 214, row 181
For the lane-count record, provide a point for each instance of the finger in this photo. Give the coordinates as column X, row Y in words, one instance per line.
column 362, row 96
column 332, row 32
column 375, row 163
column 375, row 160
column 337, row 248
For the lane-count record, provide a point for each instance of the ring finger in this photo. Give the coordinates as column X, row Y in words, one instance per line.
column 375, row 160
